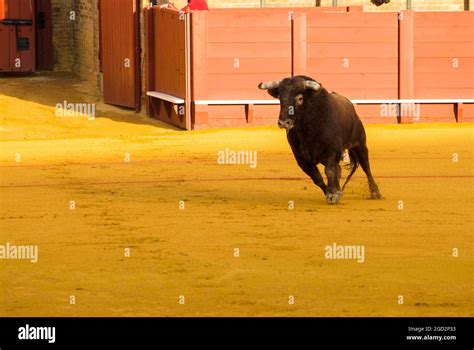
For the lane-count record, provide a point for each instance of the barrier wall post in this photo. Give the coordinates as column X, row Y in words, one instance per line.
column 355, row 8
column 299, row 44
column 150, row 57
column 188, row 70
column 249, row 108
column 200, row 113
column 458, row 111
column 406, row 59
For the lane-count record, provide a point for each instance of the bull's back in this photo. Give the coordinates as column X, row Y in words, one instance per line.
column 351, row 126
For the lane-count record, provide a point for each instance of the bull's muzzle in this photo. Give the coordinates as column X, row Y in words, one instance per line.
column 285, row 124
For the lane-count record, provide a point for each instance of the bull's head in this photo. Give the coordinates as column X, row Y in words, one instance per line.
column 292, row 93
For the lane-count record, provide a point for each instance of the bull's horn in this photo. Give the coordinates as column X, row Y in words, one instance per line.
column 310, row 84
column 269, row 85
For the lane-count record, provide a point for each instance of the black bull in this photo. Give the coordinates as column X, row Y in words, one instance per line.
column 320, row 126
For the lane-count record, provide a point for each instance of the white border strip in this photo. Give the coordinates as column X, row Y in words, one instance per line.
column 275, row 102
column 169, row 98
column 368, row 102
column 177, row 100
column 237, row 102
column 434, row 101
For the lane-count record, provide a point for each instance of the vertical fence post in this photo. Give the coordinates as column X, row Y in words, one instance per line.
column 406, row 59
column 299, row 43
column 249, row 112
column 150, row 57
column 355, row 8
column 199, row 68
column 188, row 70
column 458, row 111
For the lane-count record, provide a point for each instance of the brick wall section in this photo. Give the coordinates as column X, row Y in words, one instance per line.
column 76, row 41
column 86, row 41
column 62, row 35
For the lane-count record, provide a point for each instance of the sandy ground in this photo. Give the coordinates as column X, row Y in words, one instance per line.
column 134, row 205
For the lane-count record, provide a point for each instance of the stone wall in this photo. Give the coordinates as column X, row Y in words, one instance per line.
column 63, row 32
column 86, row 40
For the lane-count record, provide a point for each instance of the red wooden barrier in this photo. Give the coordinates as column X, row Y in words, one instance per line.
column 444, row 55
column 406, row 82
column 443, row 61
column 231, row 54
column 355, row 54
column 296, row 10
column 365, row 56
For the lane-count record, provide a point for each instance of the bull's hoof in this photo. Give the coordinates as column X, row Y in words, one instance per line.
column 333, row 198
column 375, row 195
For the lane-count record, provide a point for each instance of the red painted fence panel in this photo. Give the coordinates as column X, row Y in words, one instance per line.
column 355, row 54
column 232, row 54
column 444, row 55
column 245, row 49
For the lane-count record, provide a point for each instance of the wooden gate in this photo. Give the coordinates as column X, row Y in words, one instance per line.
column 17, row 36
column 169, row 90
column 120, row 52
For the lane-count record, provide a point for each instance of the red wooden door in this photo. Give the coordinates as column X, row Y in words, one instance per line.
column 120, row 52
column 17, row 36
column 44, row 34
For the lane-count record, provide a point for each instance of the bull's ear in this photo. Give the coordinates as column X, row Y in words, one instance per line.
column 274, row 93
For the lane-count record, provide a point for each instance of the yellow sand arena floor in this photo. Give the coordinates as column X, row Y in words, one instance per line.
column 48, row 162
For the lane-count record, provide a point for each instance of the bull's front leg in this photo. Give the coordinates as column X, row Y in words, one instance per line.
column 313, row 172
column 307, row 165
column 332, row 170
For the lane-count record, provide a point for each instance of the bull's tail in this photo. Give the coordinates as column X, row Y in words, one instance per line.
column 353, row 165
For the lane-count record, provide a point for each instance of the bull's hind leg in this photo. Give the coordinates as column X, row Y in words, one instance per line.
column 362, row 153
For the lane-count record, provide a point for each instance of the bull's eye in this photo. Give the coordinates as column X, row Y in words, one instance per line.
column 299, row 100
